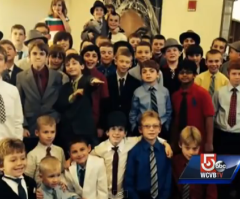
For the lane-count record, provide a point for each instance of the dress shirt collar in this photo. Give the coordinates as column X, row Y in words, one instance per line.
column 147, row 86
column 119, row 77
column 120, row 145
column 79, row 167
column 230, row 87
column 147, row 146
column 40, row 145
column 42, row 72
column 210, row 74
column 11, row 68
column 76, row 80
column 8, row 176
column 46, row 189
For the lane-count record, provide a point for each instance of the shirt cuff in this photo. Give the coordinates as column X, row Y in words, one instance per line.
column 71, row 99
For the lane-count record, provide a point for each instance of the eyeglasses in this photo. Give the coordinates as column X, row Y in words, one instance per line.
column 154, row 126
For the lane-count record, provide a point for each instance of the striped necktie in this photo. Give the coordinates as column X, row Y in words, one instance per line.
column 185, row 191
column 2, row 111
column 154, row 105
column 212, row 86
column 154, row 176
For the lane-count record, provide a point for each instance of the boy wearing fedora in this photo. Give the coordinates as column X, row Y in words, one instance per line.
column 188, row 38
column 98, row 25
column 32, row 36
column 171, row 52
column 234, row 54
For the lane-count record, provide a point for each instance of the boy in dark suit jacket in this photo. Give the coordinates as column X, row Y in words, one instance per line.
column 148, row 170
column 190, row 142
column 121, row 85
column 9, row 75
column 13, row 184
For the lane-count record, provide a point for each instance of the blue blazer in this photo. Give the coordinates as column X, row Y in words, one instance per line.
column 137, row 179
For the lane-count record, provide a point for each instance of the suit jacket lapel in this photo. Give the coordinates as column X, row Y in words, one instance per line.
column 73, row 171
column 32, row 82
column 50, row 82
column 13, row 75
column 89, row 166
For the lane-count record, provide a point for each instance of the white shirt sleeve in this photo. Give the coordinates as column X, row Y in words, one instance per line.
column 18, row 112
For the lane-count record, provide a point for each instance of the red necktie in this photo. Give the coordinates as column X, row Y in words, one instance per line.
column 233, row 108
column 115, row 170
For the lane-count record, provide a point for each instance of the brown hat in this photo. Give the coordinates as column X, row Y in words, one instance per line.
column 149, row 64
column 190, row 34
column 235, row 45
column 33, row 35
column 171, row 43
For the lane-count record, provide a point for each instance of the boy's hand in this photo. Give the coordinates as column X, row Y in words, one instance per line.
column 26, row 133
column 90, row 35
column 168, row 150
column 100, row 132
column 96, row 81
column 67, row 164
column 63, row 186
column 115, row 31
column 39, row 194
column 78, row 92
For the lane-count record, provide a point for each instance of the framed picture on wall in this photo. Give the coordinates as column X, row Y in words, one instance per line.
column 139, row 13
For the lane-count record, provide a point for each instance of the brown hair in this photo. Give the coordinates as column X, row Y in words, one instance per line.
column 213, row 52
column 124, row 52
column 45, row 120
column 106, row 44
column 64, row 7
column 49, row 163
column 39, row 44
column 4, row 53
column 144, row 43
column 7, row 42
column 234, row 65
column 19, row 27
column 189, row 135
column 151, row 114
column 134, row 35
column 42, row 25
column 149, row 64
column 9, row 146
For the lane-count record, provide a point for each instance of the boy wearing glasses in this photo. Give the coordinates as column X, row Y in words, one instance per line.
column 148, row 170
column 151, row 96
column 192, row 106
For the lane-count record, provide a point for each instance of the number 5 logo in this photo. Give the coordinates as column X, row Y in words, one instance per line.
column 208, row 162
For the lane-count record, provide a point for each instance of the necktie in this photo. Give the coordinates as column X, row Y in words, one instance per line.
column 2, row 111
column 21, row 191
column 115, row 170
column 54, row 194
column 121, row 84
column 233, row 109
column 82, row 176
column 39, row 81
column 153, row 99
column 48, row 151
column 212, row 86
column 154, row 176
column 185, row 191
column 7, row 77
column 183, row 112
column 20, row 54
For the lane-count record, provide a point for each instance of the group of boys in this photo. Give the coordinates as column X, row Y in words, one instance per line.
column 146, row 86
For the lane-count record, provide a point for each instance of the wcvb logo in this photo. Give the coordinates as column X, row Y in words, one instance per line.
column 207, row 162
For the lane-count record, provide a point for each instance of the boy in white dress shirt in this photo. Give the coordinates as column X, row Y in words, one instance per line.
column 50, row 174
column 115, row 152
column 11, row 114
column 46, row 132
column 14, row 184
column 87, row 174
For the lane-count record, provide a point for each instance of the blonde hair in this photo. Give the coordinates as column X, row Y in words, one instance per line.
column 151, row 114
column 64, row 7
column 45, row 120
column 48, row 164
column 189, row 135
column 9, row 146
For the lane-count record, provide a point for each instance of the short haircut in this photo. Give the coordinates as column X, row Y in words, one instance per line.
column 7, row 42
column 79, row 139
column 213, row 52
column 39, row 44
column 45, row 120
column 187, row 65
column 144, row 43
column 83, row 41
column 102, row 38
column 190, row 134
column 222, row 40
column 106, row 44
column 49, row 163
column 91, row 48
column 234, row 65
column 64, row 7
column 4, row 53
column 149, row 64
column 62, row 35
column 194, row 50
column 57, row 51
column 74, row 56
column 111, row 6
column 114, row 14
column 134, row 35
column 124, row 52
column 18, row 27
column 146, row 37
column 40, row 25
column 9, row 146
column 159, row 37
column 151, row 114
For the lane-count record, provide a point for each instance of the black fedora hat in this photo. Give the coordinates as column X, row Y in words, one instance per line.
column 1, row 35
column 96, row 5
column 190, row 34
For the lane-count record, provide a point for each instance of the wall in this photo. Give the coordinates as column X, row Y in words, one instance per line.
column 206, row 21
column 236, row 11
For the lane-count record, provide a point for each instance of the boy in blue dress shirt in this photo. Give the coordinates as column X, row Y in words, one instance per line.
column 151, row 96
column 148, row 170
